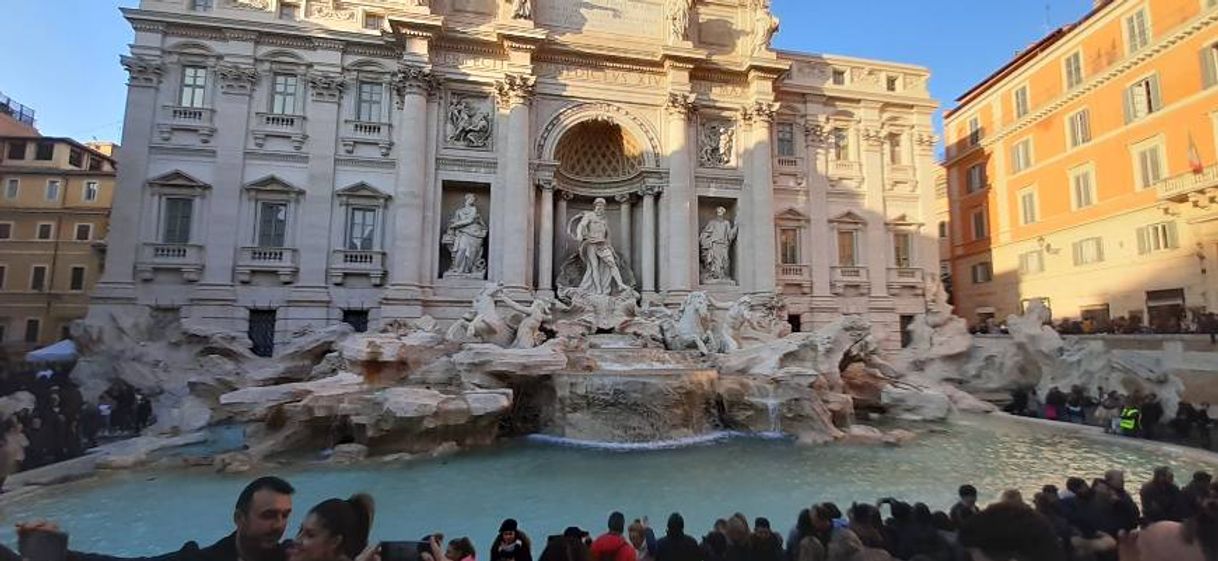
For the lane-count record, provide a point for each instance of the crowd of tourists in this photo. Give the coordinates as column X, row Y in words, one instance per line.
column 1088, row 520
column 1134, row 415
column 60, row 424
column 1198, row 324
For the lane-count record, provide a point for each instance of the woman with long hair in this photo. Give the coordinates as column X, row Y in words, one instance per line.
column 335, row 530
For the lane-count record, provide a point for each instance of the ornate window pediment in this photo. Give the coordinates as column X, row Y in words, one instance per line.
column 179, row 182
column 361, row 190
column 791, row 215
column 902, row 223
column 849, row 218
column 272, row 185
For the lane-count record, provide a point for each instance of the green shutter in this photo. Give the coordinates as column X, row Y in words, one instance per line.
column 1143, row 241
column 1209, row 75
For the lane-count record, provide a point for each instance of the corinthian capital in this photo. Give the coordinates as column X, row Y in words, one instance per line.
column 142, row 72
column 326, row 87
column 515, row 89
column 236, row 79
column 412, row 79
column 764, row 111
column 681, row 104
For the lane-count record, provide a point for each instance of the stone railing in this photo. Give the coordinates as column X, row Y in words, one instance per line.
column 279, row 260
column 849, row 280
column 1179, row 187
column 185, row 258
column 357, row 262
column 906, row 276
column 200, row 120
column 845, row 169
column 788, row 163
column 795, row 275
column 291, row 127
column 366, row 132
column 900, row 173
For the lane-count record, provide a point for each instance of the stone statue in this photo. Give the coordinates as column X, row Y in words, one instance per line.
column 464, row 238
column 752, row 320
column 678, row 20
column 528, row 333
column 717, row 143
column 522, row 9
column 469, row 123
column 601, row 273
column 693, row 326
column 716, row 243
column 765, row 26
column 487, row 325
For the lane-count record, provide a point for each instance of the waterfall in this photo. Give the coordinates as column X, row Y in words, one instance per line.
column 773, row 407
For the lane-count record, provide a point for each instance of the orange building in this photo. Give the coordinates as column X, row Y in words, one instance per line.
column 1083, row 173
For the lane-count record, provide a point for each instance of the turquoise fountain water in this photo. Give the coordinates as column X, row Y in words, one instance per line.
column 548, row 487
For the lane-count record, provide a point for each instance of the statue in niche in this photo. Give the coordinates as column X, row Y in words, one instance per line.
column 464, row 238
column 717, row 143
column 522, row 9
column 601, row 272
column 716, row 244
column 678, row 20
column 469, row 123
column 765, row 26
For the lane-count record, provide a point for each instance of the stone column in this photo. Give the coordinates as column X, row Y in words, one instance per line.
column 515, row 92
column 405, row 250
column 545, row 242
column 761, row 218
column 650, row 192
column 627, row 227
column 231, row 121
column 877, row 237
column 144, row 77
column 819, row 255
column 680, row 264
column 316, row 206
column 560, row 248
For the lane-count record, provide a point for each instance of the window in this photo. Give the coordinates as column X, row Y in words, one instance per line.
column 45, row 150
column 841, row 144
column 981, row 230
column 32, row 327
column 38, row 278
column 1080, row 128
column 16, row 150
column 1021, row 102
column 45, row 231
column 1021, row 155
column 1137, row 31
column 902, row 249
column 373, row 22
column 361, row 229
column 894, row 149
column 893, row 83
column 76, row 158
column 84, row 232
column 976, row 177
column 52, row 193
column 974, row 131
column 77, row 280
column 289, row 10
column 785, row 132
column 95, row 164
column 1082, row 189
column 194, row 86
column 283, row 94
column 1149, row 164
column 1209, row 64
column 201, row 5
column 12, row 188
column 272, row 224
column 1142, row 99
column 1027, row 206
column 847, row 248
column 1087, row 251
column 368, row 103
column 983, row 272
column 91, row 190
column 788, row 246
column 177, row 219
column 3, row 330
column 262, row 332
column 3, row 275
column 6, row 230
column 1031, row 262
column 1157, row 237
column 942, row 230
column 839, row 77
column 1074, row 70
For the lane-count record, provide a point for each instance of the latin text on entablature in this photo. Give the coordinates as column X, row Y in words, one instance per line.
column 719, row 89
column 718, row 182
column 467, row 165
column 467, row 61
column 577, row 73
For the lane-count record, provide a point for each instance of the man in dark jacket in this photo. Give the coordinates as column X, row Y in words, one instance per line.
column 764, row 544
column 261, row 517
column 1161, row 498
column 675, row 545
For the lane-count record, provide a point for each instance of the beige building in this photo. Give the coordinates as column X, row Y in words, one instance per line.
column 55, row 196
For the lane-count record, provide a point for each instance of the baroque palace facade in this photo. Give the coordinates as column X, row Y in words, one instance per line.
column 288, row 164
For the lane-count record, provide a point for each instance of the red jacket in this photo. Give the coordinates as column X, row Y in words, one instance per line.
column 611, row 547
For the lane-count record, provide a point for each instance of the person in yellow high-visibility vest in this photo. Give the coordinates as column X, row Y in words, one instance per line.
column 1131, row 419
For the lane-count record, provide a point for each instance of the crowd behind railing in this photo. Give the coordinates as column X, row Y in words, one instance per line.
column 1189, row 324
column 1087, row 520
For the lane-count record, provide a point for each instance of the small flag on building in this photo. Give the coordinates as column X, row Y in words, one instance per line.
column 1194, row 156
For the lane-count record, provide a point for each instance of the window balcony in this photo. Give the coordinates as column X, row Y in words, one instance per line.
column 184, row 258
column 1189, row 186
column 795, row 275
column 282, row 261
column 357, row 262
column 901, row 173
column 849, row 281
column 843, row 169
column 906, row 276
column 365, row 132
column 269, row 125
column 788, row 163
column 199, row 120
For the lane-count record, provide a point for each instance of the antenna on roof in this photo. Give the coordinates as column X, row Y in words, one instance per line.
column 1048, row 17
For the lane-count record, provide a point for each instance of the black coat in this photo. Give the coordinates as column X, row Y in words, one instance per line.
column 678, row 548
column 223, row 550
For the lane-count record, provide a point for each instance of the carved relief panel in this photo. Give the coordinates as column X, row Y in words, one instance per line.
column 469, row 121
column 717, row 143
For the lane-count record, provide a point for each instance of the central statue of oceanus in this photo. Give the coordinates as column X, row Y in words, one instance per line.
column 601, row 272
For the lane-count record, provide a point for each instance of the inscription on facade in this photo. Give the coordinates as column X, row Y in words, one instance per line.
column 466, row 61
column 567, row 72
column 643, row 18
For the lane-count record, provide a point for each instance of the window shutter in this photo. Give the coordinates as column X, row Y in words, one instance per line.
column 1143, row 241
column 1129, row 112
column 1209, row 75
column 1078, row 252
column 1156, row 102
column 1173, row 240
column 1099, row 249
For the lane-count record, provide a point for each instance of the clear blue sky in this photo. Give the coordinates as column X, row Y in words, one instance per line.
column 61, row 56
